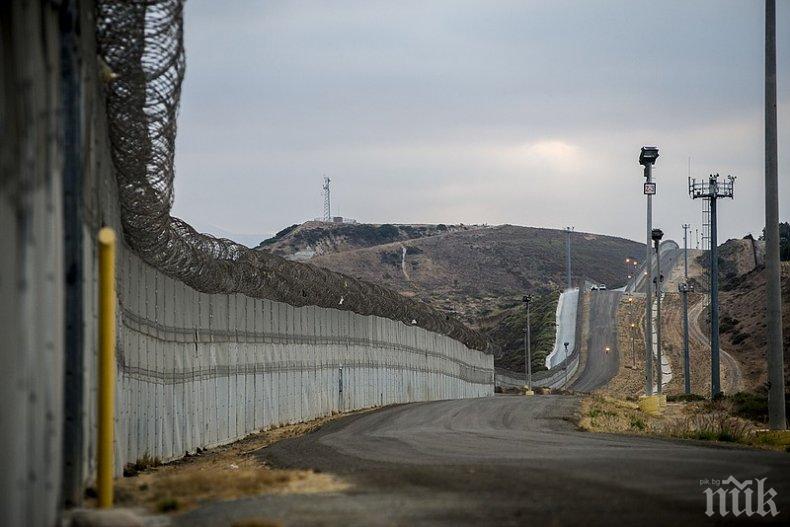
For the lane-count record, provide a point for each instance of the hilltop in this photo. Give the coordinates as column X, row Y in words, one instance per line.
column 316, row 238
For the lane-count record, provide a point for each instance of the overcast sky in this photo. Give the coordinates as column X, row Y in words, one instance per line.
column 448, row 111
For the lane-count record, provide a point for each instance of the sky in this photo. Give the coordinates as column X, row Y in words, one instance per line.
column 475, row 111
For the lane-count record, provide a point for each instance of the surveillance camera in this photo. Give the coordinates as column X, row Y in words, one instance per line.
column 648, row 155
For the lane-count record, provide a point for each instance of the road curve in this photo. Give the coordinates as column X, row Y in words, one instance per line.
column 668, row 251
column 600, row 365
column 505, row 460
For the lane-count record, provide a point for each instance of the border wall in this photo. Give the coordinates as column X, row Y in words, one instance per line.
column 198, row 370
column 195, row 370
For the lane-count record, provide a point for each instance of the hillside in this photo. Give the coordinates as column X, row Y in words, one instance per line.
column 743, row 324
column 478, row 273
column 469, row 272
column 737, row 257
column 506, row 330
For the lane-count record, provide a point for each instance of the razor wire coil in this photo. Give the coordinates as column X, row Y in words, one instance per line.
column 142, row 44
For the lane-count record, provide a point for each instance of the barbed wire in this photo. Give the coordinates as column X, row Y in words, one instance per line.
column 142, row 44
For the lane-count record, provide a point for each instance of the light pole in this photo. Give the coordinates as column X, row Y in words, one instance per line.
column 568, row 231
column 647, row 158
column 631, row 317
column 712, row 190
column 527, row 347
column 566, row 364
column 684, row 289
column 777, row 418
column 657, row 234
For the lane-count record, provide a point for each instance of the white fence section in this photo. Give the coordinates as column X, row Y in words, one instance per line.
column 198, row 370
column 566, row 327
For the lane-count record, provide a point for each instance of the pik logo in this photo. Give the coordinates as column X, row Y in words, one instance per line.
column 737, row 498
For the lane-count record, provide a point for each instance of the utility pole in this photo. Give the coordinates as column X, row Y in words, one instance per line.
column 568, row 254
column 657, row 234
column 711, row 190
column 528, row 347
column 647, row 158
column 567, row 363
column 684, row 289
column 777, row 419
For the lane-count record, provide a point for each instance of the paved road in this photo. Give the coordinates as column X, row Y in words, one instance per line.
column 600, row 365
column 505, row 460
column 669, row 251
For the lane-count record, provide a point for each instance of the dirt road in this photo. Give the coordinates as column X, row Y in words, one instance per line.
column 732, row 381
column 505, row 460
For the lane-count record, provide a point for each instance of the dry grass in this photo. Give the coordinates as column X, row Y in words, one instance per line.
column 702, row 420
column 223, row 473
column 603, row 413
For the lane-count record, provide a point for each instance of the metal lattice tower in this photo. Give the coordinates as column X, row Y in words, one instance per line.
column 327, row 204
column 705, row 225
column 711, row 190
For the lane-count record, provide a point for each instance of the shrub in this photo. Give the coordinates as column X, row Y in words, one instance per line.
column 685, row 398
column 715, row 426
column 750, row 406
column 727, row 324
column 739, row 337
column 142, row 464
column 167, row 505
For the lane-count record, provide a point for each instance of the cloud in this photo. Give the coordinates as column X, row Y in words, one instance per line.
column 472, row 111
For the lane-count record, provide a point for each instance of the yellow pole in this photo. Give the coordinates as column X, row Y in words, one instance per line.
column 104, row 478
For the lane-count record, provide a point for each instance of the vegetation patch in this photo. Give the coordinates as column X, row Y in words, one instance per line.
column 505, row 328
column 734, row 419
